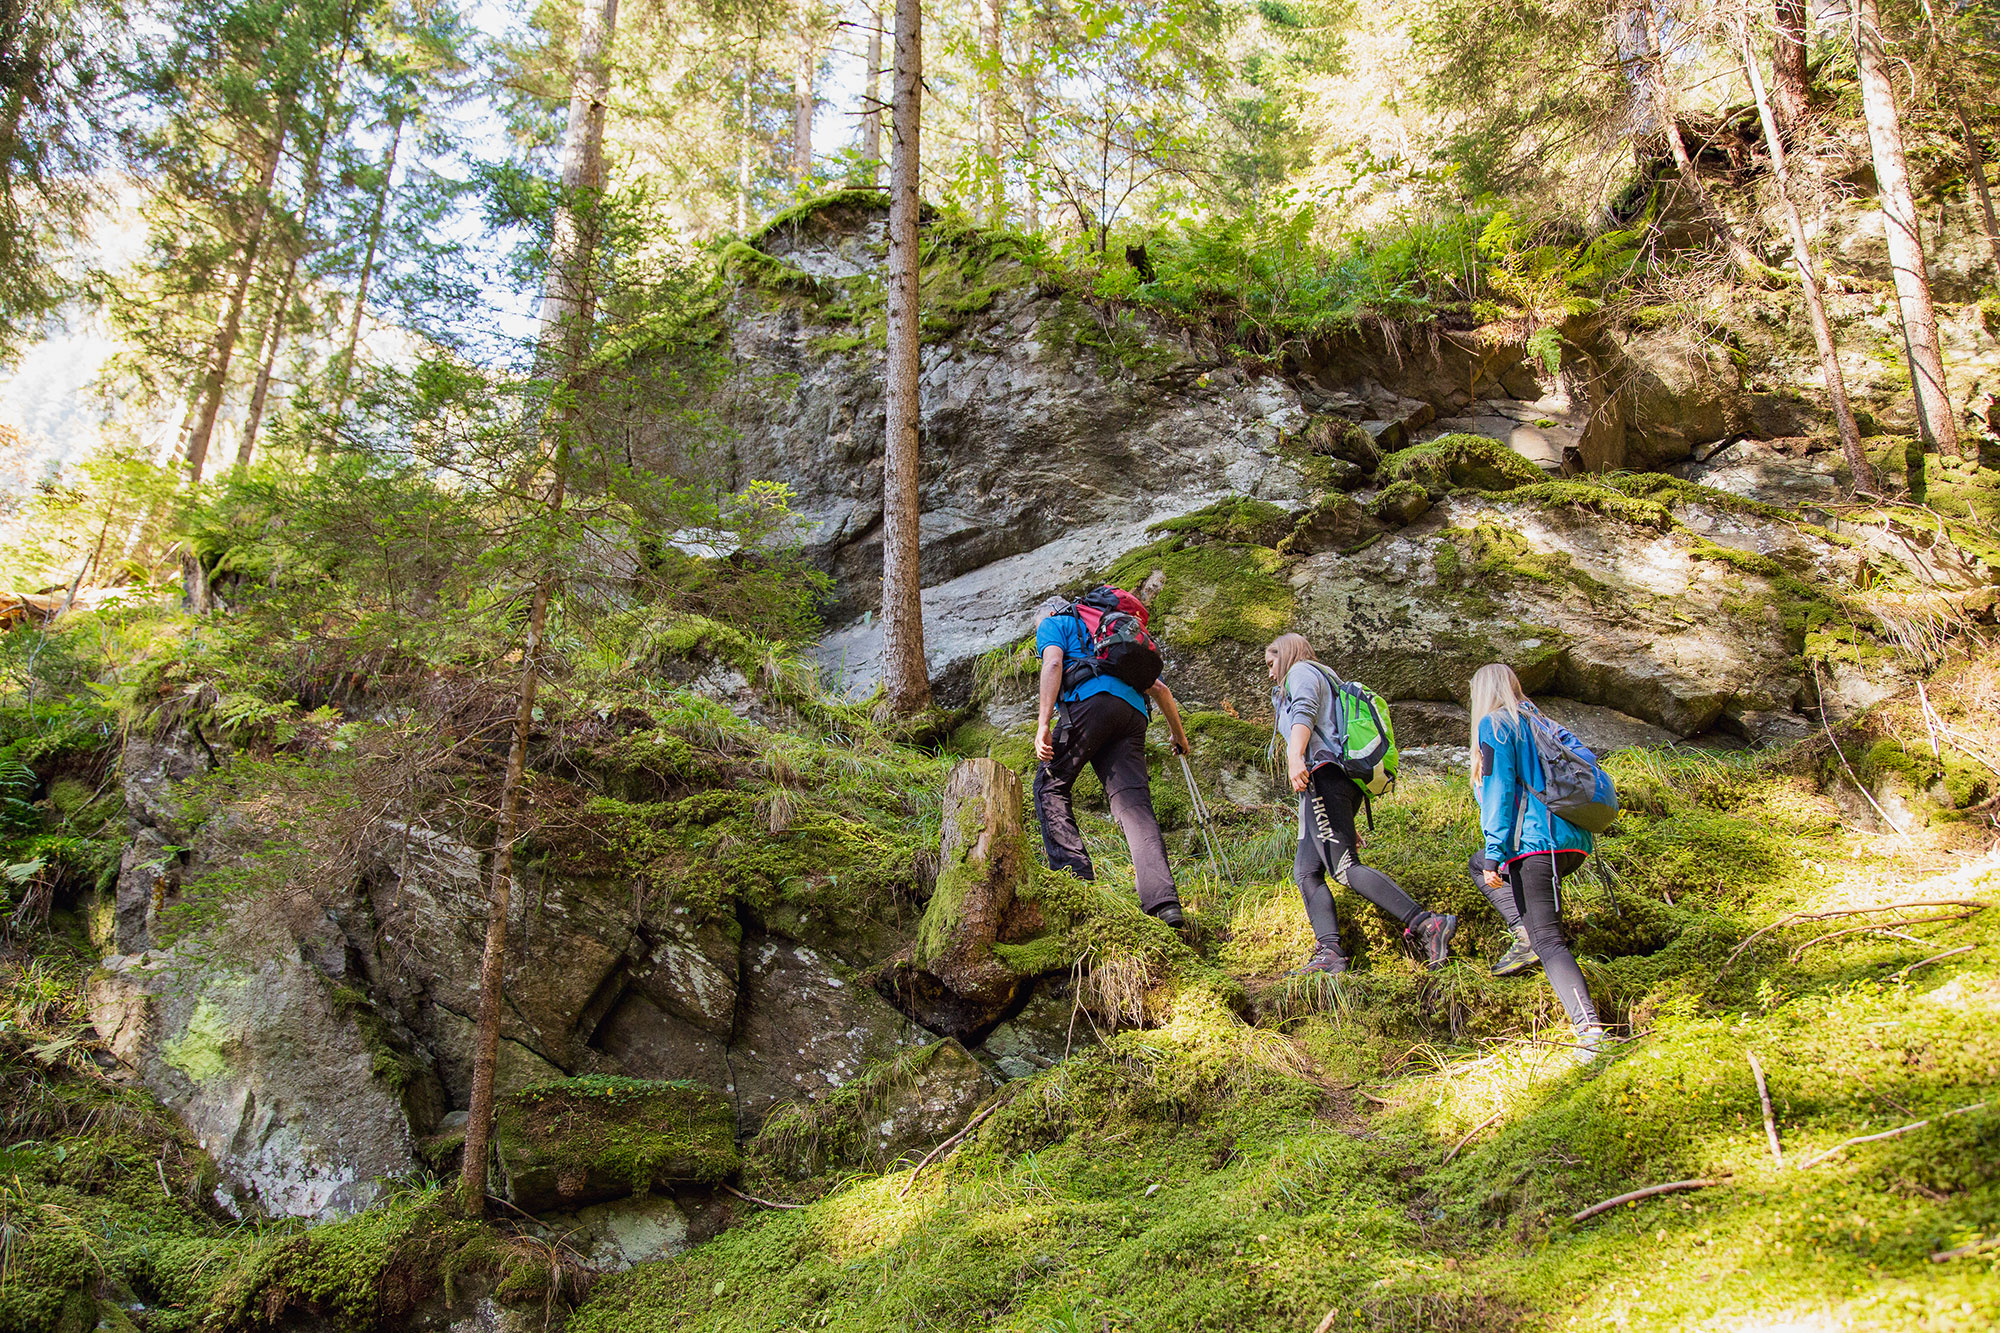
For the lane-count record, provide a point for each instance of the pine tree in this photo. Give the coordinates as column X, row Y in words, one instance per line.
column 1858, row 465
column 567, row 313
column 904, row 670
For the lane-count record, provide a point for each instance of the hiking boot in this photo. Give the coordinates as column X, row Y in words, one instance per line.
column 1170, row 913
column 1592, row 1040
column 1519, row 958
column 1325, row 959
column 1432, row 938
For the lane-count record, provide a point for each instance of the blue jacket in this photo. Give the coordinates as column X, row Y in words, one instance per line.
column 1511, row 813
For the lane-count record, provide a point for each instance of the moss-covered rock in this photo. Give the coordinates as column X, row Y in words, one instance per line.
column 1401, row 504
column 601, row 1137
column 1473, row 461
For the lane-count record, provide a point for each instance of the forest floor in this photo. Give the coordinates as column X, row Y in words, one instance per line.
column 1394, row 1150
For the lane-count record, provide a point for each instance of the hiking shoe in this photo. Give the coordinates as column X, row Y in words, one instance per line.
column 1592, row 1040
column 1432, row 938
column 1325, row 959
column 1519, row 958
column 1170, row 913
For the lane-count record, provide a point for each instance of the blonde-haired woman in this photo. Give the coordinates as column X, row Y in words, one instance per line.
column 1304, row 701
column 1529, row 848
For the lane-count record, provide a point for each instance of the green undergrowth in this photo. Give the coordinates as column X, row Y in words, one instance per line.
column 1280, row 1166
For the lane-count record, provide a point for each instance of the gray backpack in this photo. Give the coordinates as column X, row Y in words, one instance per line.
column 1573, row 785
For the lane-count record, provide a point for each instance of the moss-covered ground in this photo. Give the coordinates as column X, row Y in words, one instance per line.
column 1403, row 1150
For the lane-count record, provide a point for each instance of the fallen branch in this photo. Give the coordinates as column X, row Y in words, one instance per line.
column 1770, row 1121
column 1856, row 930
column 1468, row 1136
column 1840, row 911
column 764, row 1203
column 1379, row 1101
column 1943, row 1256
column 1900, row 973
column 948, row 1144
column 1900, row 1130
column 1669, row 1188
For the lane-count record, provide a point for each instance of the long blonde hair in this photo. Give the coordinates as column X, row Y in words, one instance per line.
column 1290, row 650
column 1495, row 689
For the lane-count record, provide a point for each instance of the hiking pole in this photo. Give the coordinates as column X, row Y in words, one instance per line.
column 1204, row 821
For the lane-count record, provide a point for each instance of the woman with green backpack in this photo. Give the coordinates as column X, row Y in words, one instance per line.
column 1529, row 849
column 1335, row 736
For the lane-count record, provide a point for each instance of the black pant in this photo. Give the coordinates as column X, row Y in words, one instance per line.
column 1327, row 809
column 1110, row 735
column 1530, row 900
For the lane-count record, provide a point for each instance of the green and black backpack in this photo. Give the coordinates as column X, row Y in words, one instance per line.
column 1364, row 739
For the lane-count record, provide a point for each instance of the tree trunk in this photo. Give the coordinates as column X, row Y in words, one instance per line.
column 1636, row 48
column 493, row 962
column 1663, row 103
column 802, row 109
column 1906, row 246
column 267, row 357
column 566, row 293
column 231, row 323
column 746, row 133
column 1791, row 81
column 1975, row 169
column 1031, row 125
column 904, row 672
column 871, row 101
column 990, row 87
column 344, row 377
column 1836, row 386
column 567, row 312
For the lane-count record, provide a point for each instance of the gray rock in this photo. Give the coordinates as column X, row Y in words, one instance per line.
column 1603, row 729
column 277, row 1079
column 624, row 1232
column 806, row 1030
column 1047, row 1030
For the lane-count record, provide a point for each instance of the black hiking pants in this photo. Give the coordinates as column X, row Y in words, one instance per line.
column 1326, row 843
column 1530, row 900
column 1110, row 735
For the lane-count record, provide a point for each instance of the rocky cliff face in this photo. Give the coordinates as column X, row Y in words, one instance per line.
column 1060, row 433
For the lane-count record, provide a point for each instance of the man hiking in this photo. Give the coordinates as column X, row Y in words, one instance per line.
column 1102, row 667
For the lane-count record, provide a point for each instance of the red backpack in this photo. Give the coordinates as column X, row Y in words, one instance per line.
column 1115, row 622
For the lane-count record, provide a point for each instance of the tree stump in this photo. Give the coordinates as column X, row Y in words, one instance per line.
column 953, row 980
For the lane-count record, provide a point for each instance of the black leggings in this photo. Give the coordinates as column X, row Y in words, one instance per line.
column 1327, row 809
column 1530, row 901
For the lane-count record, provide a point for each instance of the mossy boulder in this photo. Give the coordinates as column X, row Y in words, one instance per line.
column 1473, row 461
column 1336, row 523
column 1401, row 504
column 579, row 1140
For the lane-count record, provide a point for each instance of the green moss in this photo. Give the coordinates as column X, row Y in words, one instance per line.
column 1497, row 554
column 747, row 264
column 1593, row 497
column 1449, row 461
column 866, row 200
column 1399, row 499
column 600, row 1136
column 200, row 1051
column 1213, row 591
column 1237, row 519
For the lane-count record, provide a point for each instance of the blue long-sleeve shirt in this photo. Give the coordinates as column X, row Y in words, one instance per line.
column 1512, row 816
